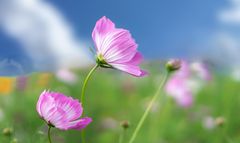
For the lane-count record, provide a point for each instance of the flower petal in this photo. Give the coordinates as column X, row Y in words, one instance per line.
column 131, row 69
column 102, row 27
column 46, row 106
column 119, row 46
column 71, row 107
column 40, row 101
column 77, row 125
column 58, row 118
column 136, row 60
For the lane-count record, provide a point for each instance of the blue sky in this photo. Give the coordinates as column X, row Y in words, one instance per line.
column 162, row 28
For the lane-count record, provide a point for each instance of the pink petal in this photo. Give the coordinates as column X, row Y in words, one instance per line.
column 40, row 99
column 136, row 60
column 80, row 124
column 46, row 106
column 57, row 118
column 131, row 69
column 71, row 107
column 119, row 43
column 102, row 27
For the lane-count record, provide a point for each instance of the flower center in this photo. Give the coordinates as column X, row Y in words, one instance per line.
column 102, row 62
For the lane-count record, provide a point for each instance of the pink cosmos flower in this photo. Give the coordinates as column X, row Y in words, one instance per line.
column 116, row 48
column 61, row 111
column 184, row 84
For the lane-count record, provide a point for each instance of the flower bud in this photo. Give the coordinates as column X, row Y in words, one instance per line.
column 7, row 131
column 173, row 65
column 219, row 121
column 125, row 124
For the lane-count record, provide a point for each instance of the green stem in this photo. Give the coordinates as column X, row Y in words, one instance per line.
column 83, row 94
column 49, row 136
column 83, row 136
column 140, row 123
column 85, row 83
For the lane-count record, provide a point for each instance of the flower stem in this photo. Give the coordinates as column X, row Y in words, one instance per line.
column 83, row 137
column 83, row 94
column 49, row 136
column 86, row 81
column 140, row 123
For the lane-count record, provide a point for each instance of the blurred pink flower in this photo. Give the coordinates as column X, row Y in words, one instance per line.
column 184, row 84
column 116, row 48
column 61, row 111
column 66, row 76
column 177, row 88
column 201, row 70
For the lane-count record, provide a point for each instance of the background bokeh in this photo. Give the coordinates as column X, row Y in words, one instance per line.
column 120, row 98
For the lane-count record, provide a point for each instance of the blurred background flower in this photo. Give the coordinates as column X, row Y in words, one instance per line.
column 187, row 81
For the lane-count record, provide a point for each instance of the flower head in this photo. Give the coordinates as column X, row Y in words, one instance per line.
column 173, row 65
column 116, row 48
column 61, row 111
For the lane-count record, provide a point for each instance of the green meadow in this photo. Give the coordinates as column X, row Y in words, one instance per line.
column 113, row 97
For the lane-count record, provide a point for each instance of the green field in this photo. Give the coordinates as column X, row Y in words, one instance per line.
column 112, row 97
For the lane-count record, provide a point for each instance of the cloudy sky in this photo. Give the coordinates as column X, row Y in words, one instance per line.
column 51, row 34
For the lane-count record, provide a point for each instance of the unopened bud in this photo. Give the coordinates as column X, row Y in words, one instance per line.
column 7, row 131
column 220, row 121
column 125, row 124
column 173, row 65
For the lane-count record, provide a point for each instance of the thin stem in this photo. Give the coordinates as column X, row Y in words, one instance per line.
column 86, row 81
column 83, row 94
column 140, row 123
column 83, row 137
column 49, row 136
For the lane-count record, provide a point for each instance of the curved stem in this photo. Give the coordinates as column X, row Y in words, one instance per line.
column 83, row 94
column 49, row 136
column 86, row 81
column 140, row 123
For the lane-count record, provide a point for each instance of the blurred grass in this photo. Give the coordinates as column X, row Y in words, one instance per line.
column 112, row 97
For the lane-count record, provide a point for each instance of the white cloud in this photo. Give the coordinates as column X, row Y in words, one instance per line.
column 231, row 15
column 224, row 53
column 45, row 35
